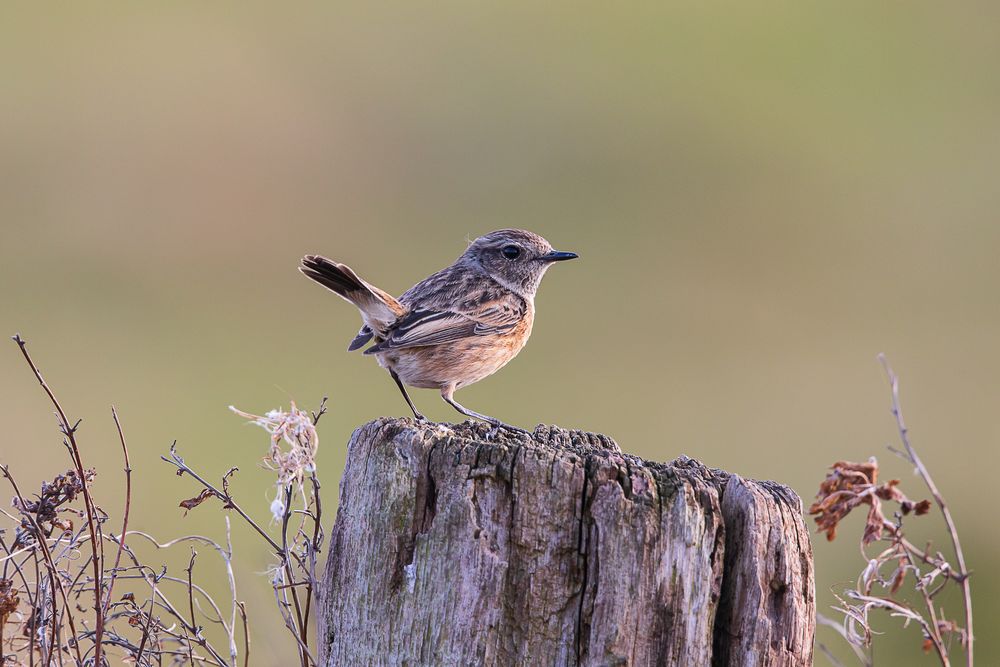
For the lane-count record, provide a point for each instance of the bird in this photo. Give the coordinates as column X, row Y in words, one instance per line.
column 455, row 327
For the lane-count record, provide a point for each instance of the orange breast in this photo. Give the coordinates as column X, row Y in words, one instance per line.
column 460, row 362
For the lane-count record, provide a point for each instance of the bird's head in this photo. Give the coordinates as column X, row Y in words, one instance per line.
column 515, row 258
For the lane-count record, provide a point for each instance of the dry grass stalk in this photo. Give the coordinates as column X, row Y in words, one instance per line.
column 57, row 578
column 294, row 462
column 291, row 455
column 851, row 485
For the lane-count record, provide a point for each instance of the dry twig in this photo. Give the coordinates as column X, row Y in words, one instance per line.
column 49, row 563
column 851, row 485
column 294, row 443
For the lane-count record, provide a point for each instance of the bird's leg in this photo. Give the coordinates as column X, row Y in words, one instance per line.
column 399, row 383
column 447, row 394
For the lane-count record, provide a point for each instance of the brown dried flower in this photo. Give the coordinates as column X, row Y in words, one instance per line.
column 53, row 498
column 296, row 430
column 849, row 485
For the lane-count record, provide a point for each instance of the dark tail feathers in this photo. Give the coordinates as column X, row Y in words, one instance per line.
column 332, row 275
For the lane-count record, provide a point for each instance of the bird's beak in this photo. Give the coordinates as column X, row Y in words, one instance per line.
column 556, row 256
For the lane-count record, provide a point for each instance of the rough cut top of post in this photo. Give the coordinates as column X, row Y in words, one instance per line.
column 558, row 548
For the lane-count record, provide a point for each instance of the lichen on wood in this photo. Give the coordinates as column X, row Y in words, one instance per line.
column 450, row 548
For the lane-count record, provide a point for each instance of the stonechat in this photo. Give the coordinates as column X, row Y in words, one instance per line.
column 455, row 327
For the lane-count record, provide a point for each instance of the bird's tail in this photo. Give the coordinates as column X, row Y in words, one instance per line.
column 378, row 308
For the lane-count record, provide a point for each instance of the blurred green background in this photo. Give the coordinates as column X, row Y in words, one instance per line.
column 764, row 196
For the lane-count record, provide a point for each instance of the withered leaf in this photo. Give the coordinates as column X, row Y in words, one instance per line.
column 65, row 525
column 898, row 576
column 8, row 599
column 849, row 485
column 874, row 524
column 191, row 503
column 846, row 486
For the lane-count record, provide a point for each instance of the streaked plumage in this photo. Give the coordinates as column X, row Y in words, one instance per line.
column 455, row 327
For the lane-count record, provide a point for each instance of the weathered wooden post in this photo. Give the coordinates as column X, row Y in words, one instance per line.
column 449, row 549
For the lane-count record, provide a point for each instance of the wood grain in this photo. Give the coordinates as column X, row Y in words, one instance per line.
column 449, row 549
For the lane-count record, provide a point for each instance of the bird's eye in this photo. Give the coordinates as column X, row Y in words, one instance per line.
column 511, row 251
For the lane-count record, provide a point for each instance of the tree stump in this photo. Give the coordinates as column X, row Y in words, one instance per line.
column 453, row 549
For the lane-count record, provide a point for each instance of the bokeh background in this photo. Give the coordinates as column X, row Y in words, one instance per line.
column 764, row 196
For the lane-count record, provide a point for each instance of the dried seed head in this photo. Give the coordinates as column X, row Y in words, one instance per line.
column 292, row 453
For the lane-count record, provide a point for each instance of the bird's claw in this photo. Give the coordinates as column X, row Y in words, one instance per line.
column 498, row 426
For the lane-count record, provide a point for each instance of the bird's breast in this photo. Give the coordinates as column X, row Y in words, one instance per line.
column 461, row 362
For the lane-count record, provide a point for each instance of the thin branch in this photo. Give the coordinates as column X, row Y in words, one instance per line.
column 165, row 602
column 317, row 539
column 227, row 556
column 283, row 607
column 228, row 501
column 47, row 557
column 128, row 505
column 937, row 562
column 246, row 635
column 934, row 630
column 839, row 629
column 70, row 433
column 320, row 412
column 149, row 622
column 34, row 613
column 300, row 625
column 938, row 498
column 190, row 588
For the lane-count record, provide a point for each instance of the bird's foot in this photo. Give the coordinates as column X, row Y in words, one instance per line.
column 517, row 429
column 497, row 426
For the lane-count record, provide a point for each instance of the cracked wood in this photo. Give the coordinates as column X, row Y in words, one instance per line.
column 559, row 549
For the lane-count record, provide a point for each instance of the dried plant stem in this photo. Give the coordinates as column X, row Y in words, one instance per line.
column 296, row 551
column 50, row 564
column 170, row 608
column 54, row 571
column 149, row 622
column 70, row 433
column 932, row 628
column 227, row 557
column 317, row 518
column 927, row 559
column 863, row 658
column 316, row 538
column 299, row 624
column 18, row 567
column 939, row 499
column 246, row 635
column 227, row 500
column 34, row 616
column 190, row 588
column 125, row 511
column 290, row 624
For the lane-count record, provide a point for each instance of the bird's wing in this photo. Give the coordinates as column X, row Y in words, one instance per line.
column 363, row 337
column 429, row 326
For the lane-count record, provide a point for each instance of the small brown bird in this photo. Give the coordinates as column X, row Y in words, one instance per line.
column 456, row 327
